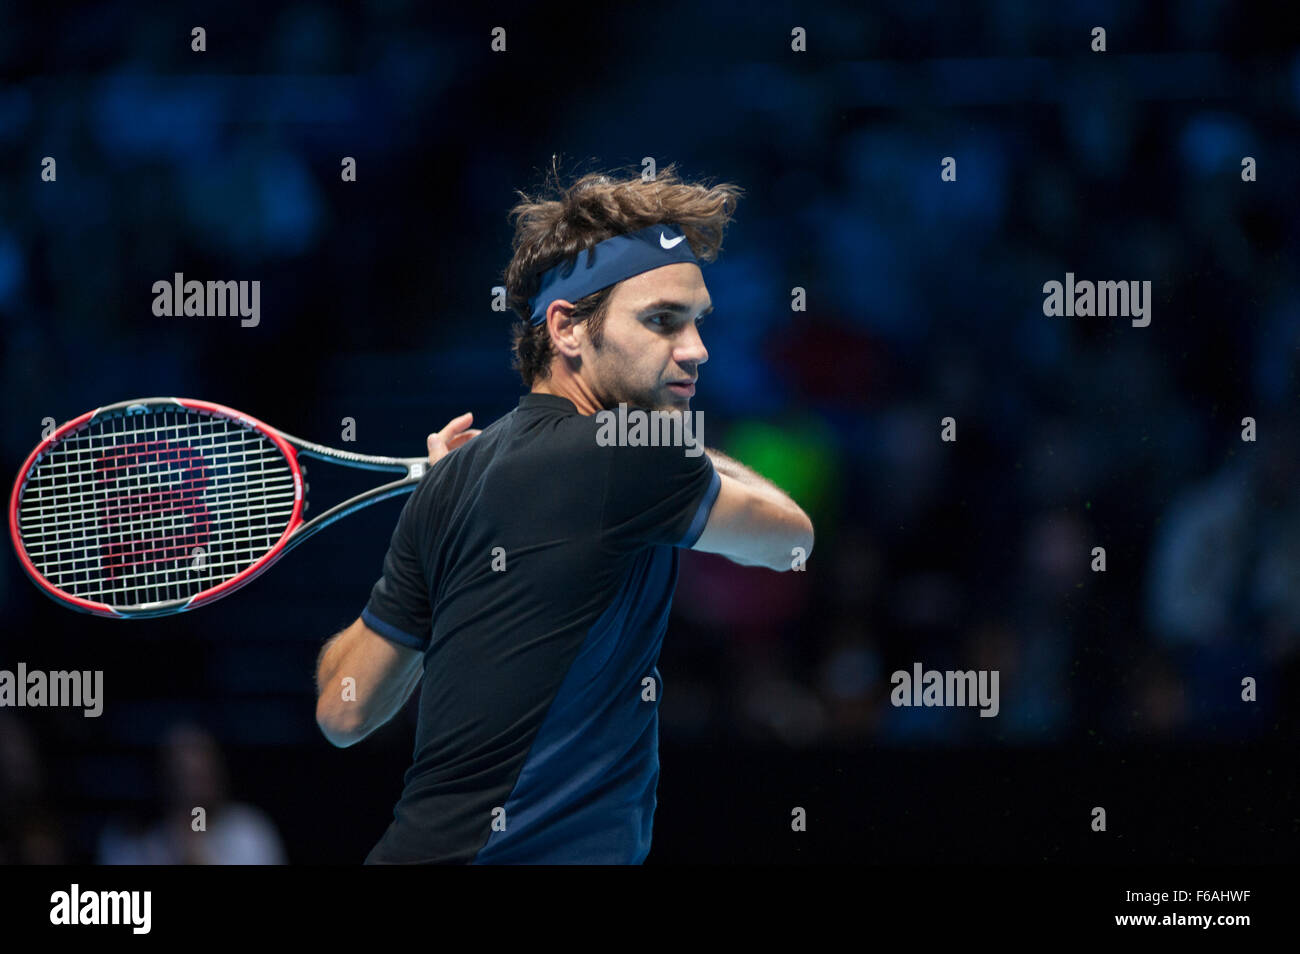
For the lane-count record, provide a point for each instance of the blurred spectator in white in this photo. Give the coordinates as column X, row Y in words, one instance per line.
column 195, row 777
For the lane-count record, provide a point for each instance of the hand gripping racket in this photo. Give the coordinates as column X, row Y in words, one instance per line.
column 151, row 507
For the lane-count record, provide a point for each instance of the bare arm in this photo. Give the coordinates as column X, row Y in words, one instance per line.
column 385, row 675
column 753, row 522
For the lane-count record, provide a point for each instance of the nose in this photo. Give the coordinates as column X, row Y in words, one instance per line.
column 690, row 349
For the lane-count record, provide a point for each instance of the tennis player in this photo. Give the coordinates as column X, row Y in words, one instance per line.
column 530, row 574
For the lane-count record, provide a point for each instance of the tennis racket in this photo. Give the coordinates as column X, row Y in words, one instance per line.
column 156, row 506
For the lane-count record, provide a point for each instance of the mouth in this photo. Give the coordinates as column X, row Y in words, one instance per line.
column 684, row 388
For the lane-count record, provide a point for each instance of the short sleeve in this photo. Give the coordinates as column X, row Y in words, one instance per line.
column 399, row 602
column 658, row 495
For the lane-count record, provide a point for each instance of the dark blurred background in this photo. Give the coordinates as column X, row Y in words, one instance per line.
column 1119, row 689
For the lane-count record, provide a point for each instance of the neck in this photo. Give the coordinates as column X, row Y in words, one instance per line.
column 566, row 385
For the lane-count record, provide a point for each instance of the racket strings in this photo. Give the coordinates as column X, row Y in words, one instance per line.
column 155, row 506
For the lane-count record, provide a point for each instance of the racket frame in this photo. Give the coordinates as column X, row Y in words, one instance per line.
column 296, row 531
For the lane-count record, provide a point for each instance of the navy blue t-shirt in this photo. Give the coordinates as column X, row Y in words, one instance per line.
column 535, row 570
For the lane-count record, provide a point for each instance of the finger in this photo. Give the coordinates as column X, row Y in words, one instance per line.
column 460, row 439
column 457, row 424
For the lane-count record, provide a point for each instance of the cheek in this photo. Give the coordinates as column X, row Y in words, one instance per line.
column 627, row 361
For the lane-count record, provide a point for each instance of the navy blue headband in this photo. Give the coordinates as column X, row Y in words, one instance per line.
column 611, row 261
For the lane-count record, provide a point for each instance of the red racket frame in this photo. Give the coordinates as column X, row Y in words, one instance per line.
column 295, row 532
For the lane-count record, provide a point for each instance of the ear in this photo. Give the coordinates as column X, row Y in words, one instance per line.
column 567, row 336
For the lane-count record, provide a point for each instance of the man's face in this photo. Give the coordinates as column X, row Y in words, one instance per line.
column 650, row 351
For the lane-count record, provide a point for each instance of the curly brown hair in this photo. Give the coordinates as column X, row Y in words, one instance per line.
column 559, row 222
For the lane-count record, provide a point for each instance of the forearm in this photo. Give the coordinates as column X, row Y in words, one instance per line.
column 754, row 522
column 730, row 467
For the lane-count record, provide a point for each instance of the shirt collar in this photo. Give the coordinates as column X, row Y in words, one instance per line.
column 534, row 399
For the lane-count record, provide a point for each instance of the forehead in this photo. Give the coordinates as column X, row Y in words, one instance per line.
column 680, row 281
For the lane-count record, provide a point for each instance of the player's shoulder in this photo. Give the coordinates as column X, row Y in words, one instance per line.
column 551, row 430
column 605, row 440
column 656, row 440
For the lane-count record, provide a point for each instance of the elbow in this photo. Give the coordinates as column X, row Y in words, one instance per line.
column 341, row 726
column 799, row 546
column 809, row 537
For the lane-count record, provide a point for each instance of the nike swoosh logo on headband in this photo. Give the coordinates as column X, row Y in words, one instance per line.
column 666, row 242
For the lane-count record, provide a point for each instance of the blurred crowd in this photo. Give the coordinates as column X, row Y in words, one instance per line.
column 924, row 301
column 189, row 818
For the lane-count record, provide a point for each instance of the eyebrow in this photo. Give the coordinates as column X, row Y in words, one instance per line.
column 665, row 304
